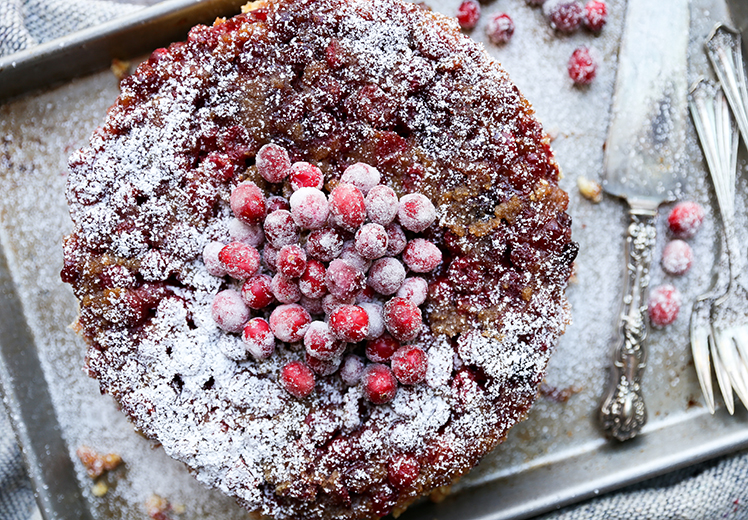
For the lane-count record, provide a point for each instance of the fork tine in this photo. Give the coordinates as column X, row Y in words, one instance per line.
column 730, row 358
column 700, row 351
column 722, row 378
column 741, row 340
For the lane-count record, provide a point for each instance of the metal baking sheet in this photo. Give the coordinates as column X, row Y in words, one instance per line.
column 556, row 457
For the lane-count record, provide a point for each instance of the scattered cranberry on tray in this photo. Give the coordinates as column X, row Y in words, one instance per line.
column 685, row 219
column 677, row 257
column 663, row 306
column 582, row 67
column 564, row 15
column 468, row 14
column 500, row 28
column 595, row 15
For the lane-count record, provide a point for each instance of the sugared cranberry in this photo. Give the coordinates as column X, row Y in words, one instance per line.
column 386, row 275
column 376, row 319
column 409, row 365
column 366, row 295
column 281, row 229
column 289, row 322
column 324, row 244
column 379, row 384
column 347, row 207
column 421, row 256
column 257, row 293
column 320, row 342
column 685, row 219
column 415, row 289
column 305, row 175
column 595, row 15
column 396, row 239
column 403, row 470
column 322, row 367
column 229, row 310
column 349, row 323
column 276, row 202
column 312, row 305
column 312, row 282
column 285, row 289
column 381, row 205
column 362, row 176
column 273, row 163
column 239, row 260
column 250, row 234
column 309, row 208
column 270, row 256
column 582, row 67
column 677, row 257
column 218, row 166
column 371, row 241
column 298, row 379
column 416, row 212
column 500, row 28
column 350, row 255
column 330, row 303
column 468, row 14
column 380, row 350
column 343, row 280
column 403, row 319
column 248, row 202
column 351, row 370
column 210, row 259
column 564, row 15
column 664, row 304
column 258, row 338
column 291, row 261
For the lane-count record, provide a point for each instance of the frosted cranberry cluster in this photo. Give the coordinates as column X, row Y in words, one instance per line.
column 341, row 264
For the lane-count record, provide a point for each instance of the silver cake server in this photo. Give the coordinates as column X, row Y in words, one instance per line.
column 644, row 157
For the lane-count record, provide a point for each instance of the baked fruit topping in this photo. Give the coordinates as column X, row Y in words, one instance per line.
column 321, row 254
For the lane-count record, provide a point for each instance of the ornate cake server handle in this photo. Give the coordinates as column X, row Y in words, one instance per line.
column 623, row 412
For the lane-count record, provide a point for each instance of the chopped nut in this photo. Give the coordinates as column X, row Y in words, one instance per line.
column 99, row 489
column 95, row 463
column 157, row 507
column 120, row 68
column 590, row 190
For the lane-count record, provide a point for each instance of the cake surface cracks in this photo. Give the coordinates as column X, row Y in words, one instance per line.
column 335, row 82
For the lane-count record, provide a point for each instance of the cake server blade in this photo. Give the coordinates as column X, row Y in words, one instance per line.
column 644, row 164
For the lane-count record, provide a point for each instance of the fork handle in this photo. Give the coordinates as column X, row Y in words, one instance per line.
column 623, row 413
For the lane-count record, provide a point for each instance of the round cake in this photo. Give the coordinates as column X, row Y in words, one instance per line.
column 321, row 252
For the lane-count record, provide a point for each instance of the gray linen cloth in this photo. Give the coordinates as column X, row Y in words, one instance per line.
column 711, row 490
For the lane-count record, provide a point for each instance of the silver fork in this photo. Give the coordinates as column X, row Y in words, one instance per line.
column 719, row 140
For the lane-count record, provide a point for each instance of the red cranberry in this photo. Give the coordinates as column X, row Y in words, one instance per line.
column 210, row 259
column 322, row 367
column 403, row 470
column 347, row 207
column 396, row 239
column 309, row 208
column 595, row 15
column 276, row 202
column 330, row 303
column 362, row 176
column 582, row 67
column 312, row 305
column 677, row 257
column 371, row 241
column 416, row 212
column 421, row 256
column 350, row 255
column 239, row 260
column 324, row 244
column 298, row 379
column 366, row 295
column 305, row 175
column 285, row 289
column 291, row 261
column 257, row 293
column 376, row 319
column 219, row 167
column 320, row 342
column 564, row 15
column 685, row 219
column 289, row 322
column 229, row 311
column 415, row 289
column 248, row 202
column 270, row 256
column 273, row 163
column 351, row 370
column 664, row 304
column 258, row 338
column 381, row 205
column 403, row 319
column 500, row 28
column 409, row 364
column 468, row 14
column 386, row 275
column 312, row 282
column 250, row 234
column 280, row 229
column 379, row 384
column 343, row 280
column 380, row 350
column 349, row 323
